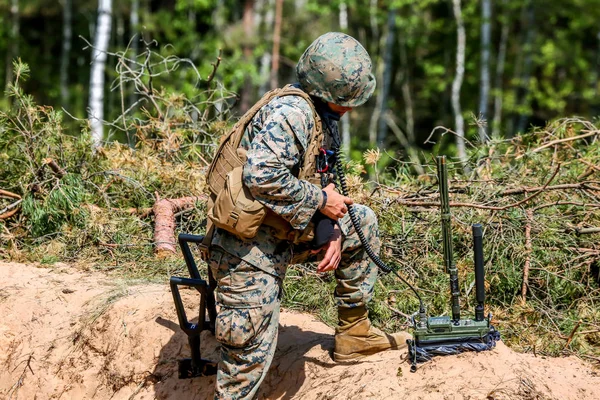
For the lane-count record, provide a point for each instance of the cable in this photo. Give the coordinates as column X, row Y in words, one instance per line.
column 339, row 172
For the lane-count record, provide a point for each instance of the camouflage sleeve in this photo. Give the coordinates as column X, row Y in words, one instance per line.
column 274, row 153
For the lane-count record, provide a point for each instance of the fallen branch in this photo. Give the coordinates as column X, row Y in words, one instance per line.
column 15, row 388
column 580, row 185
column 10, row 210
column 10, row 195
column 583, row 231
column 473, row 205
column 528, row 248
column 164, row 222
column 58, row 171
column 558, row 141
column 570, row 338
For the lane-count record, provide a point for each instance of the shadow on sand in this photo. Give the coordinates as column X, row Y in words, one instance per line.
column 284, row 379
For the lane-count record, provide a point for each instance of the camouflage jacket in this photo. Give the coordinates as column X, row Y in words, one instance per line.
column 276, row 140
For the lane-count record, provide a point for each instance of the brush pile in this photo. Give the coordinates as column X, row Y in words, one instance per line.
column 537, row 196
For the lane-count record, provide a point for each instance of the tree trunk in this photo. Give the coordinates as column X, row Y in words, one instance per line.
column 406, row 95
column 248, row 22
column 343, row 16
column 387, row 76
column 345, row 120
column 13, row 45
column 96, row 101
column 134, row 22
column 596, row 106
column 457, row 83
column 523, row 91
column 276, row 42
column 484, row 87
column 501, row 59
column 265, row 16
column 66, row 52
column 373, row 8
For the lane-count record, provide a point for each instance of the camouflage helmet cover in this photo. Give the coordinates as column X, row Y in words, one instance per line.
column 337, row 69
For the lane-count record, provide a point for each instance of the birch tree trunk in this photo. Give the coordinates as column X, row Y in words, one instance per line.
column 276, row 42
column 13, row 45
column 266, row 9
column 248, row 23
column 345, row 120
column 134, row 48
column 501, row 59
column 96, row 100
column 457, row 83
column 484, row 87
column 343, row 16
column 66, row 52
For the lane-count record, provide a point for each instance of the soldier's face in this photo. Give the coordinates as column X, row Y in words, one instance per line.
column 338, row 109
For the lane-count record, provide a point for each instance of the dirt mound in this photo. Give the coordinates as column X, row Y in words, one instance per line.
column 74, row 335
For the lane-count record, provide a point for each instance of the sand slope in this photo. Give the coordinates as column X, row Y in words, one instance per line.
column 66, row 334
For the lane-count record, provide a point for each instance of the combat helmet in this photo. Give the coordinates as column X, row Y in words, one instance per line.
column 337, row 69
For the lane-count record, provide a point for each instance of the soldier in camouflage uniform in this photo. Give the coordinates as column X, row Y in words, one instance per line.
column 336, row 71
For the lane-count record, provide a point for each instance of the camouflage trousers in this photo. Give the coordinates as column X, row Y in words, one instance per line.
column 250, row 298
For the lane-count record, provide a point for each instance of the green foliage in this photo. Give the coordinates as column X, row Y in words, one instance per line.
column 61, row 206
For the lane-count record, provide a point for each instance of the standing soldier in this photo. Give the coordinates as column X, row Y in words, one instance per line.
column 334, row 75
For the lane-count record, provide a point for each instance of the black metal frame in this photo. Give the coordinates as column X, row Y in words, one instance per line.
column 195, row 366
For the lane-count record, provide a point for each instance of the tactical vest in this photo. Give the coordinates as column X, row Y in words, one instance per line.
column 231, row 206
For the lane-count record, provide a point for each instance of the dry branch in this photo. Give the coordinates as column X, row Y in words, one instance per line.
column 583, row 231
column 528, row 248
column 580, row 185
column 10, row 195
column 164, row 217
column 10, row 210
column 558, row 141
column 570, row 338
column 58, row 171
column 481, row 206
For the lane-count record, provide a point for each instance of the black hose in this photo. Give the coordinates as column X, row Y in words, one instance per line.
column 339, row 172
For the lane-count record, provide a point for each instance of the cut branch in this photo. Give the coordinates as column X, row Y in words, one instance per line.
column 164, row 229
column 10, row 210
column 58, row 171
column 11, row 195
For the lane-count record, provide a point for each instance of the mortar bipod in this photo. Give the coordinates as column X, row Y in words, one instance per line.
column 195, row 366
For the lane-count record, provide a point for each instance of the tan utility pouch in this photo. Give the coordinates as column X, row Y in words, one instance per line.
column 235, row 210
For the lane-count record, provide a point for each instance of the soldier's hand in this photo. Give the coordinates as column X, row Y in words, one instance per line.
column 333, row 252
column 337, row 204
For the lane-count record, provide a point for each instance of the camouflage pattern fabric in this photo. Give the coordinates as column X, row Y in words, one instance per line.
column 337, row 68
column 275, row 141
column 249, row 273
column 249, row 300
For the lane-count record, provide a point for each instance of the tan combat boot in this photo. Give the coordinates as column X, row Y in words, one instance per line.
column 356, row 338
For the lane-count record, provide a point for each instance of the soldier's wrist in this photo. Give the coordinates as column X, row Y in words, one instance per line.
column 324, row 202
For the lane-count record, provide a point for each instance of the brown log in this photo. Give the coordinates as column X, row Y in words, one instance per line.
column 164, row 222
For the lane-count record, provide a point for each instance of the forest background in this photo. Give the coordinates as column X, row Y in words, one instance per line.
column 525, row 62
column 111, row 108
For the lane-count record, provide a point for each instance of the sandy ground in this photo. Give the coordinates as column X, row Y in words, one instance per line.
column 66, row 334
